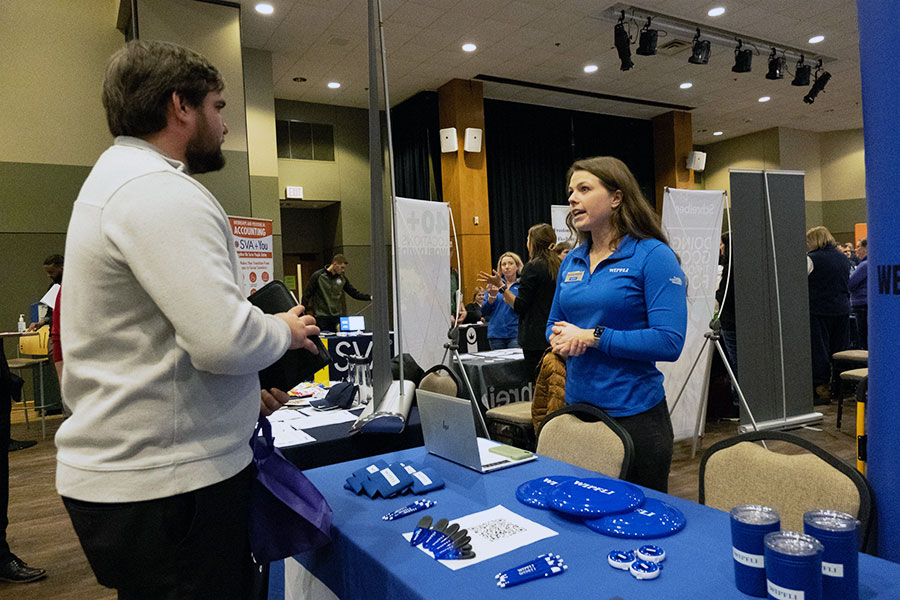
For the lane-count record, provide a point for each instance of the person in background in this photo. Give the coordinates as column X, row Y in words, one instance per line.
column 828, row 271
column 620, row 306
column 162, row 347
column 563, row 248
column 535, row 294
column 53, row 267
column 324, row 294
column 859, row 296
column 503, row 323
column 727, row 320
column 473, row 309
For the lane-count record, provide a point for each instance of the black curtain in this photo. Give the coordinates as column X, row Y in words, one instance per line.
column 417, row 148
column 529, row 150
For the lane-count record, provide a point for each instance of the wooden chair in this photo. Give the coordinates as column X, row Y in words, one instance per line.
column 34, row 354
column 585, row 436
column 738, row 471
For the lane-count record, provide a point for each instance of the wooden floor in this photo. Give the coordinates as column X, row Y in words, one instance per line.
column 41, row 534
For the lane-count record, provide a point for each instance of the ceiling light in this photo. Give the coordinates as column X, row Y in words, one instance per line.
column 822, row 78
column 647, row 42
column 715, row 12
column 469, row 47
column 717, row 133
column 686, row 85
column 765, row 99
column 816, row 39
column 700, row 51
column 264, row 9
column 776, row 66
column 334, row 85
column 590, row 68
column 801, row 76
column 300, row 79
column 743, row 57
column 623, row 43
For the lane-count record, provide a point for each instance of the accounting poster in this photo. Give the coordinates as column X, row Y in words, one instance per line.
column 253, row 243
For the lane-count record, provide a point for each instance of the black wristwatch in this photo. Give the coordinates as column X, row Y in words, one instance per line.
column 502, row 289
column 598, row 331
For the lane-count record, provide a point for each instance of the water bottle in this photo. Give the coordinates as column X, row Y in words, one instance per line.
column 22, row 323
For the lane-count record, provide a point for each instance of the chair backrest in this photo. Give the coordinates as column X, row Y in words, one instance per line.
column 441, row 380
column 585, row 436
column 738, row 471
column 36, row 345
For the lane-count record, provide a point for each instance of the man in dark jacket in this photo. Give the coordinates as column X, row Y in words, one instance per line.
column 324, row 294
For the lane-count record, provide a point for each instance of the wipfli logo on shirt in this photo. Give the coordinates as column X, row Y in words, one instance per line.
column 574, row 276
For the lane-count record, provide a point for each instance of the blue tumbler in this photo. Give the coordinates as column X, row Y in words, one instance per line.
column 749, row 526
column 793, row 566
column 838, row 532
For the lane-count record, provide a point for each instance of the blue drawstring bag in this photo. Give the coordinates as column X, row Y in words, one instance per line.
column 288, row 515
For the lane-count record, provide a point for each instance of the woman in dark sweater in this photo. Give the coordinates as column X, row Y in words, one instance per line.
column 535, row 294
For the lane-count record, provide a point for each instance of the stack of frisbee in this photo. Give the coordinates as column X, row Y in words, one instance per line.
column 608, row 506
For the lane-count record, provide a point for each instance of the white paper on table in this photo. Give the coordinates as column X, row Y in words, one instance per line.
column 307, row 417
column 50, row 297
column 285, row 435
column 494, row 531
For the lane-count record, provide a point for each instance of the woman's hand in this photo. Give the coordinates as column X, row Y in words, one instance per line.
column 493, row 278
column 568, row 340
column 272, row 400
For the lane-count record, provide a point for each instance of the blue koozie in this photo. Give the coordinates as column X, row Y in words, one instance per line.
column 838, row 532
column 749, row 526
column 793, row 566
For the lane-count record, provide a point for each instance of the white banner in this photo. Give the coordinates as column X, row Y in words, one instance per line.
column 558, row 220
column 253, row 242
column 693, row 221
column 423, row 260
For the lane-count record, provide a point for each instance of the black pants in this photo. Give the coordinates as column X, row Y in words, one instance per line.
column 5, row 408
column 827, row 335
column 651, row 432
column 532, row 360
column 190, row 546
column 862, row 323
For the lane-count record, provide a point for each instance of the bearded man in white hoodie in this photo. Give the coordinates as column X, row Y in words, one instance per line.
column 162, row 349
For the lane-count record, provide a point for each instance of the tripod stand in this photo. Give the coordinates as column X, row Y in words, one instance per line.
column 714, row 335
column 451, row 348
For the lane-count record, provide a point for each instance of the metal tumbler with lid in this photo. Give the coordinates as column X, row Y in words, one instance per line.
column 839, row 533
column 749, row 525
column 793, row 566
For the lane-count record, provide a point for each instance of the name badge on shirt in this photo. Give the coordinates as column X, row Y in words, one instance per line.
column 574, row 276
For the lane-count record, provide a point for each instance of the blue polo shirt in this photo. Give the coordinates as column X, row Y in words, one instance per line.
column 639, row 294
column 503, row 322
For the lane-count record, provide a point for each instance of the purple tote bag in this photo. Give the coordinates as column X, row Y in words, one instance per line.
column 288, row 514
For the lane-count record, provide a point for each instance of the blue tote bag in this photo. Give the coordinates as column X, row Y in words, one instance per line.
column 288, row 514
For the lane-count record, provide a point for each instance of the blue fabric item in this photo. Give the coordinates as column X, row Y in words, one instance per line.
column 859, row 280
column 503, row 343
column 638, row 294
column 503, row 322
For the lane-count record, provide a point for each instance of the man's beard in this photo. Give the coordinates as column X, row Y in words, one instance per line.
column 201, row 155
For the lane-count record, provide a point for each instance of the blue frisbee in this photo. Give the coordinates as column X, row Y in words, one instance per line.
column 654, row 519
column 592, row 498
column 536, row 492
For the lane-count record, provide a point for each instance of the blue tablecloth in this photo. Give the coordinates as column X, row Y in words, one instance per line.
column 368, row 558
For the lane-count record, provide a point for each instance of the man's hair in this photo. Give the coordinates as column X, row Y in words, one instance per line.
column 54, row 259
column 140, row 79
column 339, row 259
column 864, row 242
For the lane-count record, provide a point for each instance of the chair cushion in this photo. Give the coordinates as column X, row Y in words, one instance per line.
column 855, row 356
column 514, row 412
column 747, row 473
column 25, row 363
column 593, row 446
column 439, row 383
column 854, row 374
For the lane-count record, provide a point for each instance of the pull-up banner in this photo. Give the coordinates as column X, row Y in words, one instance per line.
column 423, row 261
column 693, row 221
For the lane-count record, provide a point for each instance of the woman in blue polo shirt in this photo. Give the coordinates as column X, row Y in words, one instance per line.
column 620, row 306
column 503, row 322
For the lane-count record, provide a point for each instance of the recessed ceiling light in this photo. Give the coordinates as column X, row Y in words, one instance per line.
column 300, row 79
column 816, row 39
column 686, row 85
column 590, row 68
column 715, row 12
column 334, row 85
column 765, row 99
column 469, row 47
column 264, row 9
column 717, row 133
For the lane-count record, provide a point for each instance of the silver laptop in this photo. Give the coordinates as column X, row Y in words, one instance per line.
column 448, row 427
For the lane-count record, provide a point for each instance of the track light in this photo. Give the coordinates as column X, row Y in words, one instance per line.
column 623, row 43
column 647, row 43
column 700, row 51
column 742, row 58
column 822, row 78
column 801, row 77
column 776, row 66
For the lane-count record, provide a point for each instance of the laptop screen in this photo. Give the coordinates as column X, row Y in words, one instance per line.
column 355, row 323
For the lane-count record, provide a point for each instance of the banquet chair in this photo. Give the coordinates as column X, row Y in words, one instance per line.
column 441, row 380
column 798, row 478
column 34, row 354
column 585, row 436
